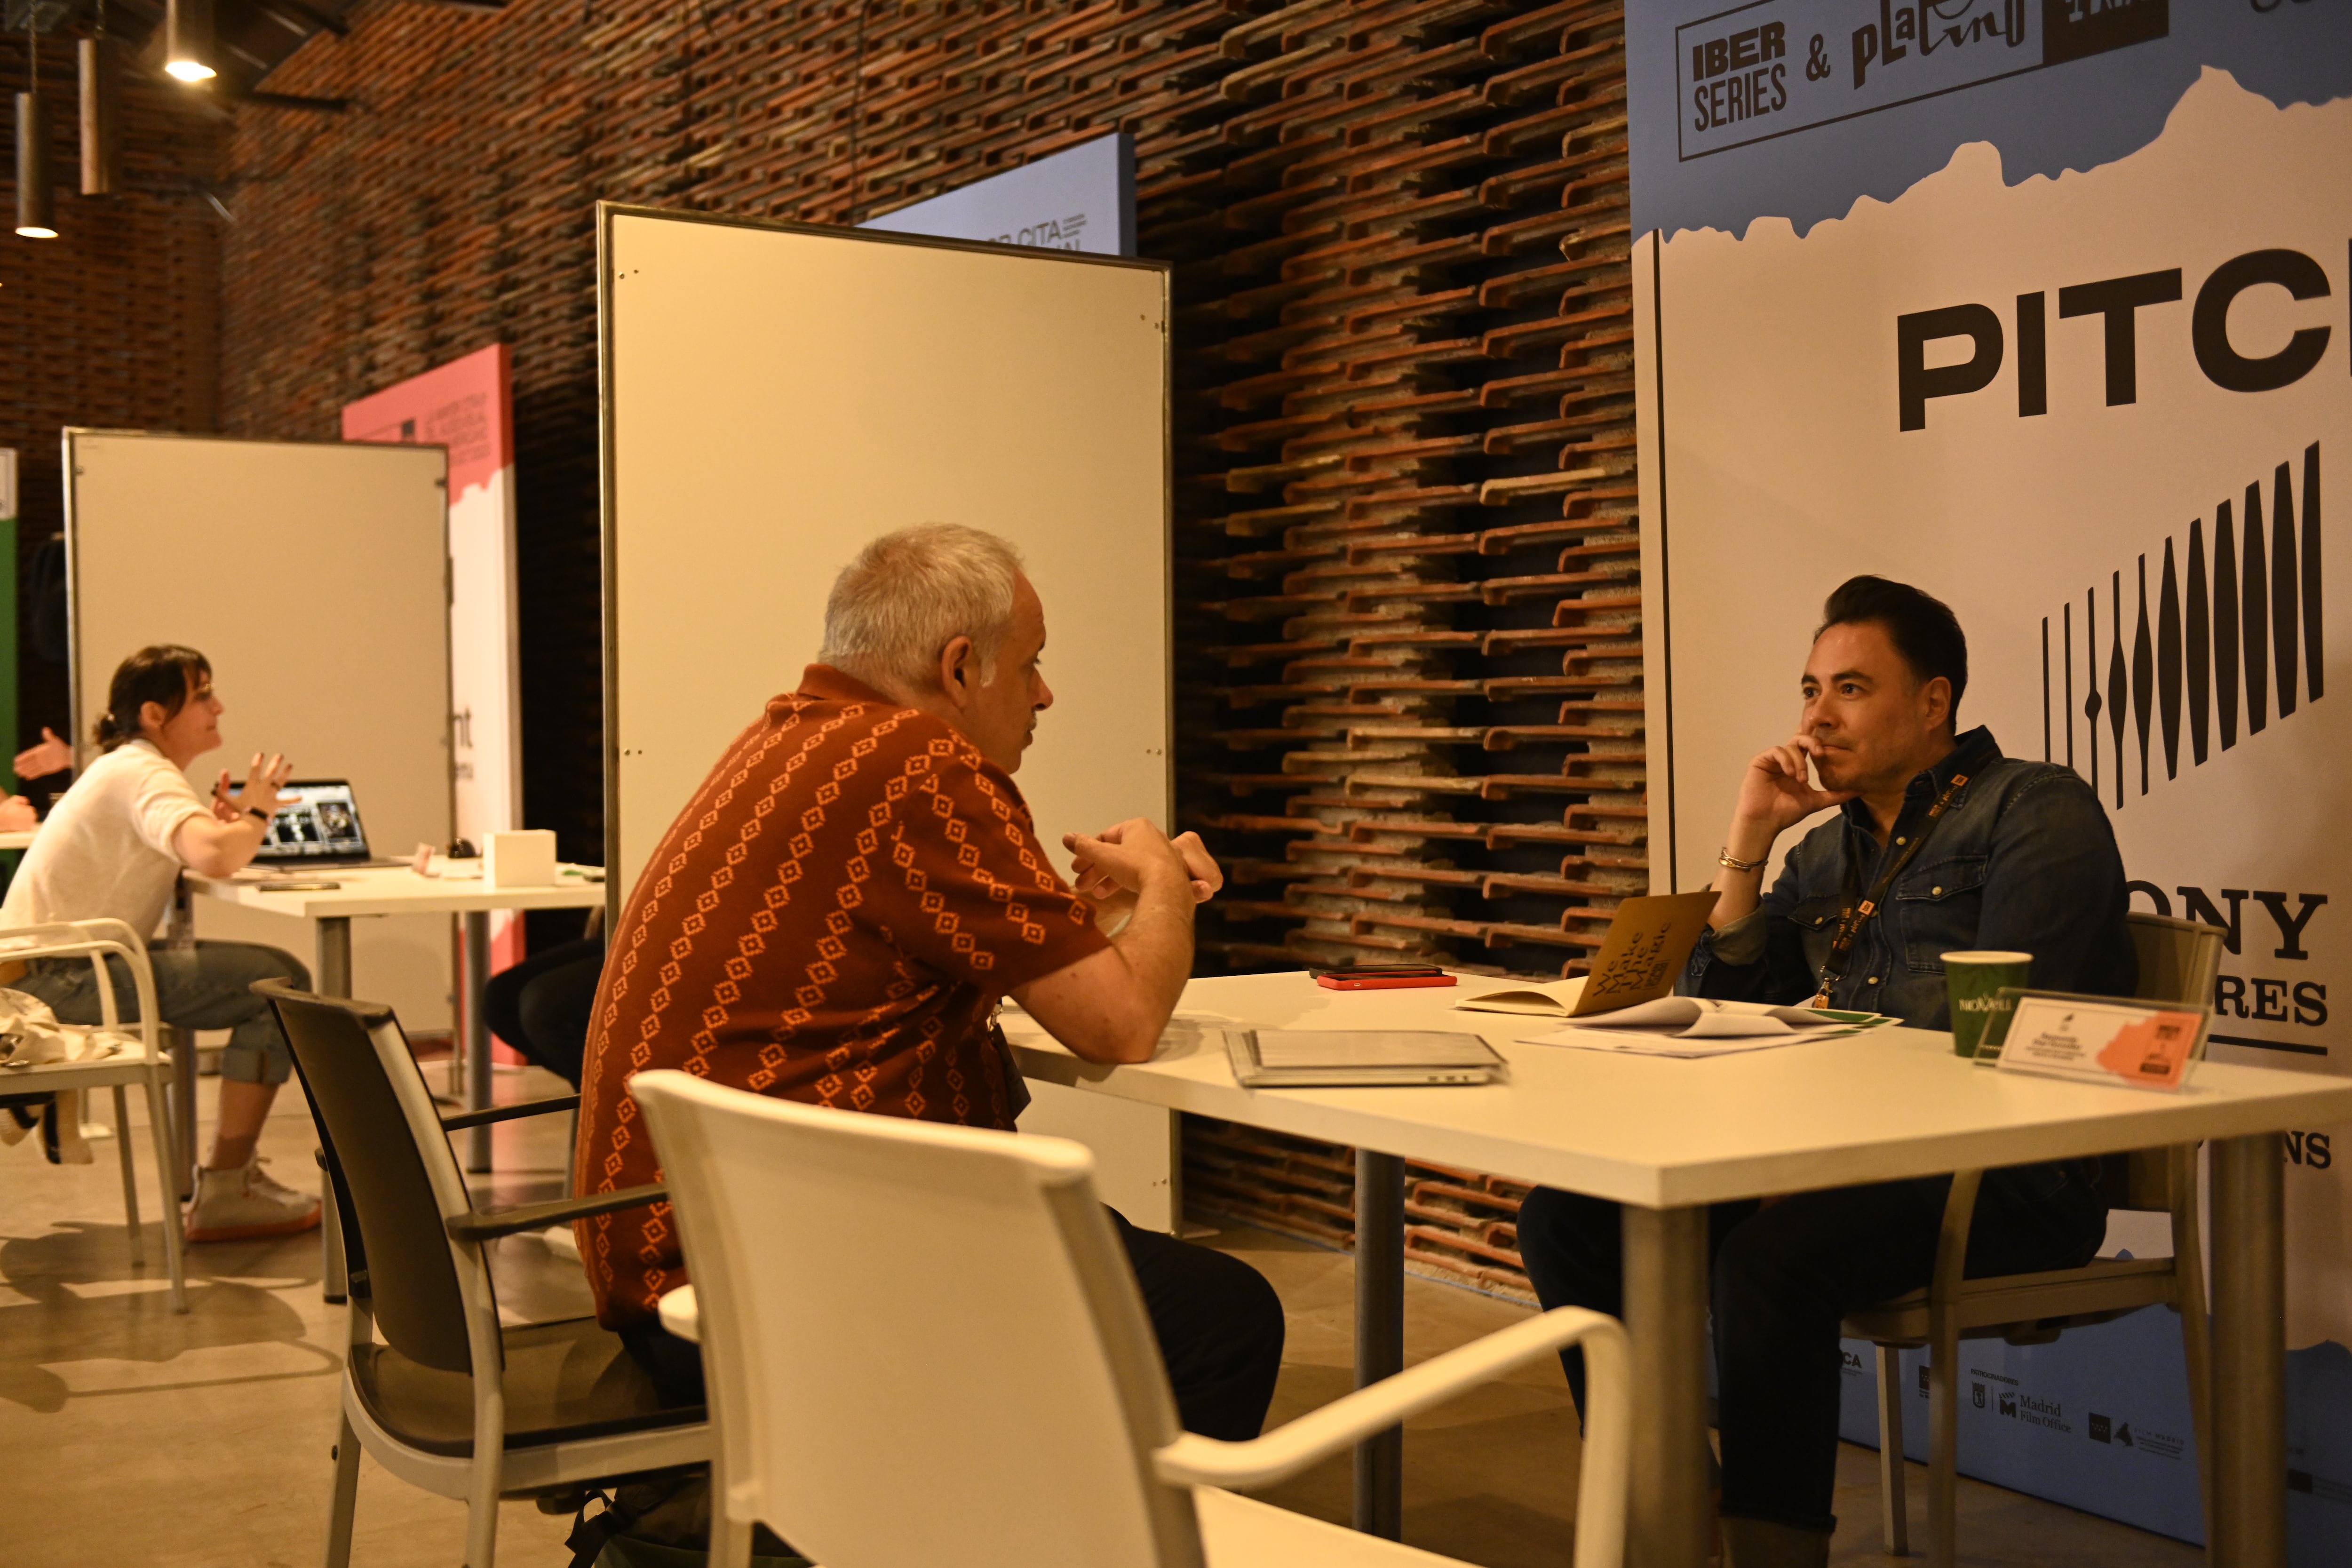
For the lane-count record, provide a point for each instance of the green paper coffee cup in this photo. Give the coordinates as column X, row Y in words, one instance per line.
column 1974, row 981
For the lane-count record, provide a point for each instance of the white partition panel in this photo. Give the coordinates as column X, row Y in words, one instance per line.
column 315, row 578
column 775, row 395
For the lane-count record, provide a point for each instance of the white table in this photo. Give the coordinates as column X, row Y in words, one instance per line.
column 18, row 838
column 1668, row 1138
column 397, row 891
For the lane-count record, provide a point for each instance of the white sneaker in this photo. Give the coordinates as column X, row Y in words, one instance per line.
column 237, row 1206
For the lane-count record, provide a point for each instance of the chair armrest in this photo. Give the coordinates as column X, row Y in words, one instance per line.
column 539, row 1217
column 1195, row 1461
column 509, row 1113
column 682, row 1314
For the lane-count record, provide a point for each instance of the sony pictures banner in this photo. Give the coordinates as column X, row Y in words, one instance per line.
column 2046, row 307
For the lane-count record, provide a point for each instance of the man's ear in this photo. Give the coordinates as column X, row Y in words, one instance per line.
column 959, row 671
column 1938, row 695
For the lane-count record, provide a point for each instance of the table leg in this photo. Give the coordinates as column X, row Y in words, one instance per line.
column 2249, row 1395
column 1380, row 1333
column 183, row 1109
column 1666, row 1316
column 477, row 1035
column 333, row 979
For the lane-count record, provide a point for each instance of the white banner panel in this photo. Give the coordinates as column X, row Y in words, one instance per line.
column 2040, row 307
column 1082, row 199
column 467, row 407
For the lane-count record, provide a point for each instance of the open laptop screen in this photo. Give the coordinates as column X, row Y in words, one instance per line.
column 322, row 823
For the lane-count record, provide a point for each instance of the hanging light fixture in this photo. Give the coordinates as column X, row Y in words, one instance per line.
column 188, row 39
column 101, row 113
column 37, row 203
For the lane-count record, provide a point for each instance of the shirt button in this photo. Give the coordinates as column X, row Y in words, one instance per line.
column 1874, row 980
column 1903, row 841
column 1936, row 892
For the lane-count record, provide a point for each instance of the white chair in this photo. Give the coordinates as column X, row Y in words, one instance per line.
column 451, row 1401
column 2177, row 962
column 924, row 1346
column 96, row 940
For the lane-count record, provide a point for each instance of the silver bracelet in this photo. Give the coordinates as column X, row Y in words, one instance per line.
column 1723, row 858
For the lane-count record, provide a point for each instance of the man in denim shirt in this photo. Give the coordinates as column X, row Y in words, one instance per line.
column 2023, row 858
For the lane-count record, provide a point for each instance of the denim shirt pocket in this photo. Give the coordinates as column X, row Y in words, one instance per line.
column 1937, row 908
column 1815, row 922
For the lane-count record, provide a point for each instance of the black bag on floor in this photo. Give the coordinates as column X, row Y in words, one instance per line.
column 661, row 1521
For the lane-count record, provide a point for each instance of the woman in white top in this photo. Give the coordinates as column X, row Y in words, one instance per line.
column 114, row 846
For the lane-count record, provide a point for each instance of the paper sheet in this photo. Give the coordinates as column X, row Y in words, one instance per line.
column 1692, row 1027
column 1705, row 1017
column 1626, row 1042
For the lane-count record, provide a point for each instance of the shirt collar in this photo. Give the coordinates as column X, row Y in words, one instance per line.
column 827, row 684
column 824, row 683
column 1969, row 755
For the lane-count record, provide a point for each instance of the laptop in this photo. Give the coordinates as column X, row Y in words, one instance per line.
column 1331, row 1059
column 321, row 827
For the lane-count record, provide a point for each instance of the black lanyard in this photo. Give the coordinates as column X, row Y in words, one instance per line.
column 1856, row 916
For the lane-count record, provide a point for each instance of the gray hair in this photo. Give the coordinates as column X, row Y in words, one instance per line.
column 911, row 593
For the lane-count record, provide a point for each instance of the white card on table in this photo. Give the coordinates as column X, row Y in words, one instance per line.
column 2146, row 1045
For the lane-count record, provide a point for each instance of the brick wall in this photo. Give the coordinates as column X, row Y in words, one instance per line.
column 1410, row 717
column 113, row 323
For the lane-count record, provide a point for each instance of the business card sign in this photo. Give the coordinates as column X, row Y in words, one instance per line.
column 2103, row 1042
column 1080, row 199
column 1774, row 67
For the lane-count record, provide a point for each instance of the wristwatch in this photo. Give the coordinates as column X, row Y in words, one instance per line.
column 257, row 814
column 1723, row 858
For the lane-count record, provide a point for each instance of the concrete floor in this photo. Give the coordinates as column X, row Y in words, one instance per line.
column 130, row 1435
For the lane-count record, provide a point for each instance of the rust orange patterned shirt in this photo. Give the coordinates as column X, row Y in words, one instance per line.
column 830, row 919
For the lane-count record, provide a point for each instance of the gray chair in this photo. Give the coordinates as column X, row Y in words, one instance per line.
column 2177, row 962
column 448, row 1400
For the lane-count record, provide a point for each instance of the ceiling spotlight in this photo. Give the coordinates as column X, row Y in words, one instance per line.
column 36, row 216
column 188, row 39
column 101, row 113
column 37, row 203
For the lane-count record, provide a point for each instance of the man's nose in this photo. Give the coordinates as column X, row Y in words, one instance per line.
column 1045, row 695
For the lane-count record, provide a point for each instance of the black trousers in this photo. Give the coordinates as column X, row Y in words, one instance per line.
column 1218, row 1322
column 1783, row 1279
column 541, row 1006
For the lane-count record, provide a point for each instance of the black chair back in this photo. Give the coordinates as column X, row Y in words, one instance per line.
column 400, row 1250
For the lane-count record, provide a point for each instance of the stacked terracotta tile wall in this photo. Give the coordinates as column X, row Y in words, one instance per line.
column 113, row 323
column 1411, row 705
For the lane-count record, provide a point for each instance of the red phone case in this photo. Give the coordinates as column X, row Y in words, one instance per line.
column 1381, row 982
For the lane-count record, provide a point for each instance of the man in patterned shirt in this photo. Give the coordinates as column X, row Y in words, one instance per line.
column 834, row 916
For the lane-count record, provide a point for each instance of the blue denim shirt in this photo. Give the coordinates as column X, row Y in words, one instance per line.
column 2023, row 861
